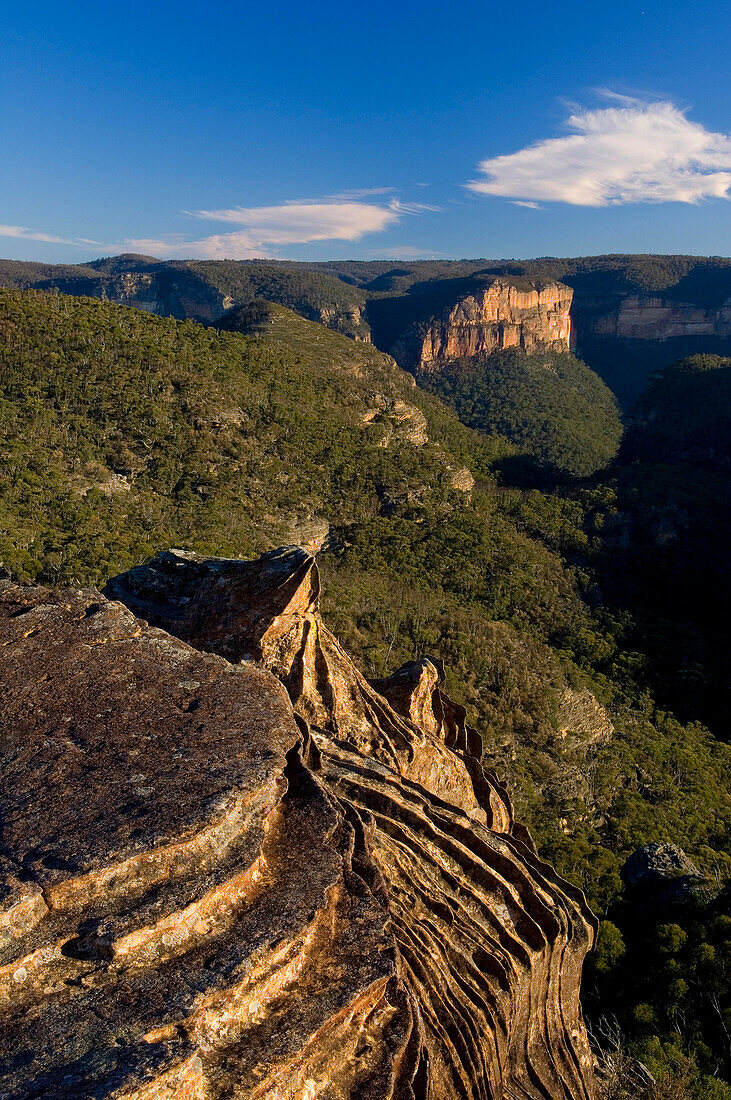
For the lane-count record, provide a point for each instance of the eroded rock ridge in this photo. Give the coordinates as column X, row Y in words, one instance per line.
column 235, row 868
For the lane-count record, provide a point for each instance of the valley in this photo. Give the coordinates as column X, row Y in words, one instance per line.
column 494, row 538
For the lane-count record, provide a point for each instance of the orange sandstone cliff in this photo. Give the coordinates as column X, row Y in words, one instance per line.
column 504, row 314
column 232, row 867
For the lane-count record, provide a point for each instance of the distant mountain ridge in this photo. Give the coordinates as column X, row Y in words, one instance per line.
column 200, row 290
column 656, row 309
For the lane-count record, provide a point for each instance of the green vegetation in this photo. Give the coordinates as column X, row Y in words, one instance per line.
column 703, row 280
column 123, row 433
column 382, row 298
column 315, row 296
column 684, row 415
column 551, row 406
column 182, row 287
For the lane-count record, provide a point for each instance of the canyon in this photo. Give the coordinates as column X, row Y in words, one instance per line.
column 626, row 316
column 309, row 886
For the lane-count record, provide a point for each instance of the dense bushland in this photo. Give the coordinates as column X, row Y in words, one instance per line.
column 551, row 406
column 123, row 433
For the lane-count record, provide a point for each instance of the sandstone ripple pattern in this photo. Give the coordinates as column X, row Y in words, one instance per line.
column 232, row 867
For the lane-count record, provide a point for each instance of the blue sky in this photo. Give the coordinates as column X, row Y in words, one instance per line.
column 333, row 130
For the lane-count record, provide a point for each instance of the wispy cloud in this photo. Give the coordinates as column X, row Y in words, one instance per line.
column 632, row 152
column 260, row 228
column 264, row 227
column 20, row 232
column 529, row 205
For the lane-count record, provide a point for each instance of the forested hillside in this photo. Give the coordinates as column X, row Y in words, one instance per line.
column 550, row 406
column 553, row 611
column 201, row 289
column 684, row 414
column 631, row 314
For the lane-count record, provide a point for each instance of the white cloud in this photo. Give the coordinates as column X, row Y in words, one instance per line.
column 360, row 193
column 339, row 218
column 529, row 205
column 290, row 223
column 632, row 152
column 21, row 233
column 306, row 221
column 221, row 246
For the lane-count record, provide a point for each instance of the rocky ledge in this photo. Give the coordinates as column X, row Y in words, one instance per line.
column 232, row 867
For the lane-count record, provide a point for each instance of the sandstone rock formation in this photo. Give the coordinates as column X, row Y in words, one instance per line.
column 647, row 318
column 529, row 315
column 398, row 422
column 462, row 480
column 234, row 868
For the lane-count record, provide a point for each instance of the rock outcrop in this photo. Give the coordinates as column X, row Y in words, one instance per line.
column 661, row 874
column 158, row 289
column 504, row 314
column 462, row 480
column 349, row 320
column 397, row 421
column 235, row 868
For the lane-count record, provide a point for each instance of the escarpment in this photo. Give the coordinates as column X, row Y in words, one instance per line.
column 503, row 314
column 648, row 318
column 204, row 291
column 235, row 868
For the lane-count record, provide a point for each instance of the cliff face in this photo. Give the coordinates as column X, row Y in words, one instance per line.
column 160, row 292
column 234, row 868
column 502, row 315
column 644, row 318
column 628, row 339
column 166, row 297
column 183, row 290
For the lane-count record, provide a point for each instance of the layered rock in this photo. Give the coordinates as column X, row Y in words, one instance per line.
column 503, row 314
column 234, row 868
column 647, row 318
